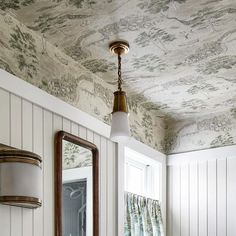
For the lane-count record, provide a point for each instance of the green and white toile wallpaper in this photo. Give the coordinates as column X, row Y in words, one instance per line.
column 28, row 56
column 180, row 72
column 215, row 130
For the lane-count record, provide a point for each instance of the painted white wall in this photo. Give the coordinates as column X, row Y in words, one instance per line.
column 202, row 193
column 26, row 125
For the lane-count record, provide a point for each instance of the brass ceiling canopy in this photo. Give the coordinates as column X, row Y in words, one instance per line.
column 119, row 47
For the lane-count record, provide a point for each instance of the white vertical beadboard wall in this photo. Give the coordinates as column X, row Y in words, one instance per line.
column 28, row 126
column 29, row 120
column 201, row 191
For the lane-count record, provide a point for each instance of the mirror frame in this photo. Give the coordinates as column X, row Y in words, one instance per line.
column 59, row 137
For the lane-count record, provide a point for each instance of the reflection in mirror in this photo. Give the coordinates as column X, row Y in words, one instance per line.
column 74, row 208
column 76, row 173
column 77, row 190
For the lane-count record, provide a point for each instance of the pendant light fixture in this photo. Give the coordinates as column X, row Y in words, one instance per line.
column 120, row 130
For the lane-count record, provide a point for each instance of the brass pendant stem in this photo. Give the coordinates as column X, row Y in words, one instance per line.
column 119, row 73
column 120, row 100
column 119, row 48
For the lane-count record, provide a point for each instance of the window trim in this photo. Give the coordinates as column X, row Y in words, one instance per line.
column 138, row 165
column 151, row 174
column 152, row 154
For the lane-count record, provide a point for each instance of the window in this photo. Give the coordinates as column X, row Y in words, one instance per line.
column 142, row 175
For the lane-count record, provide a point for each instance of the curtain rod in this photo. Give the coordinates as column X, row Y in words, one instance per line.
column 126, row 192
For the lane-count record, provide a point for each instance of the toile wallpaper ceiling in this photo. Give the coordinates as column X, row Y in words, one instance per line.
column 25, row 54
column 181, row 67
column 210, row 131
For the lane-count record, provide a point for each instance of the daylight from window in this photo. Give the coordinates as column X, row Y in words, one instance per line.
column 142, row 175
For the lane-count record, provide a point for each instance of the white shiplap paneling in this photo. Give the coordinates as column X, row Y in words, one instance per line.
column 231, row 196
column 31, row 127
column 202, row 193
column 49, row 115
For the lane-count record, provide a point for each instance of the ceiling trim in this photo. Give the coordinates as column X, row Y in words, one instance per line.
column 202, row 155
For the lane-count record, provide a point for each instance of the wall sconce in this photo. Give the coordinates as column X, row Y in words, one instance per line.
column 20, row 178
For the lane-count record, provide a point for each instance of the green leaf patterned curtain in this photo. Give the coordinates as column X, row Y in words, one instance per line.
column 142, row 216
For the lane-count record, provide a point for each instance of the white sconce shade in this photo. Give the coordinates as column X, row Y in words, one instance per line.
column 20, row 178
column 120, row 130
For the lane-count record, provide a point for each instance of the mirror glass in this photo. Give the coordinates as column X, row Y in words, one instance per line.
column 76, row 186
column 77, row 190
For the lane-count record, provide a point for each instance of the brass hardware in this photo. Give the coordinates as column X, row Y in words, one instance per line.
column 13, row 155
column 8, row 154
column 26, row 160
column 119, row 47
column 120, row 102
column 21, row 201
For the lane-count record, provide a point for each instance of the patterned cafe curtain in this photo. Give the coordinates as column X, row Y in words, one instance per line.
column 142, row 216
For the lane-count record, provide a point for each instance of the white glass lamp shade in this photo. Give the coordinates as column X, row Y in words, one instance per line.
column 120, row 130
column 20, row 178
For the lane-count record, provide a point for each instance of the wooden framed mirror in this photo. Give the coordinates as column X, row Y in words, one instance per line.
column 76, row 186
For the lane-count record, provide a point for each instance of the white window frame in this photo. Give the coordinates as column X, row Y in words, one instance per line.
column 129, row 163
column 152, row 154
column 151, row 180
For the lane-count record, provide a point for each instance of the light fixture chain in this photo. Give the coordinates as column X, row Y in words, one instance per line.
column 119, row 73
